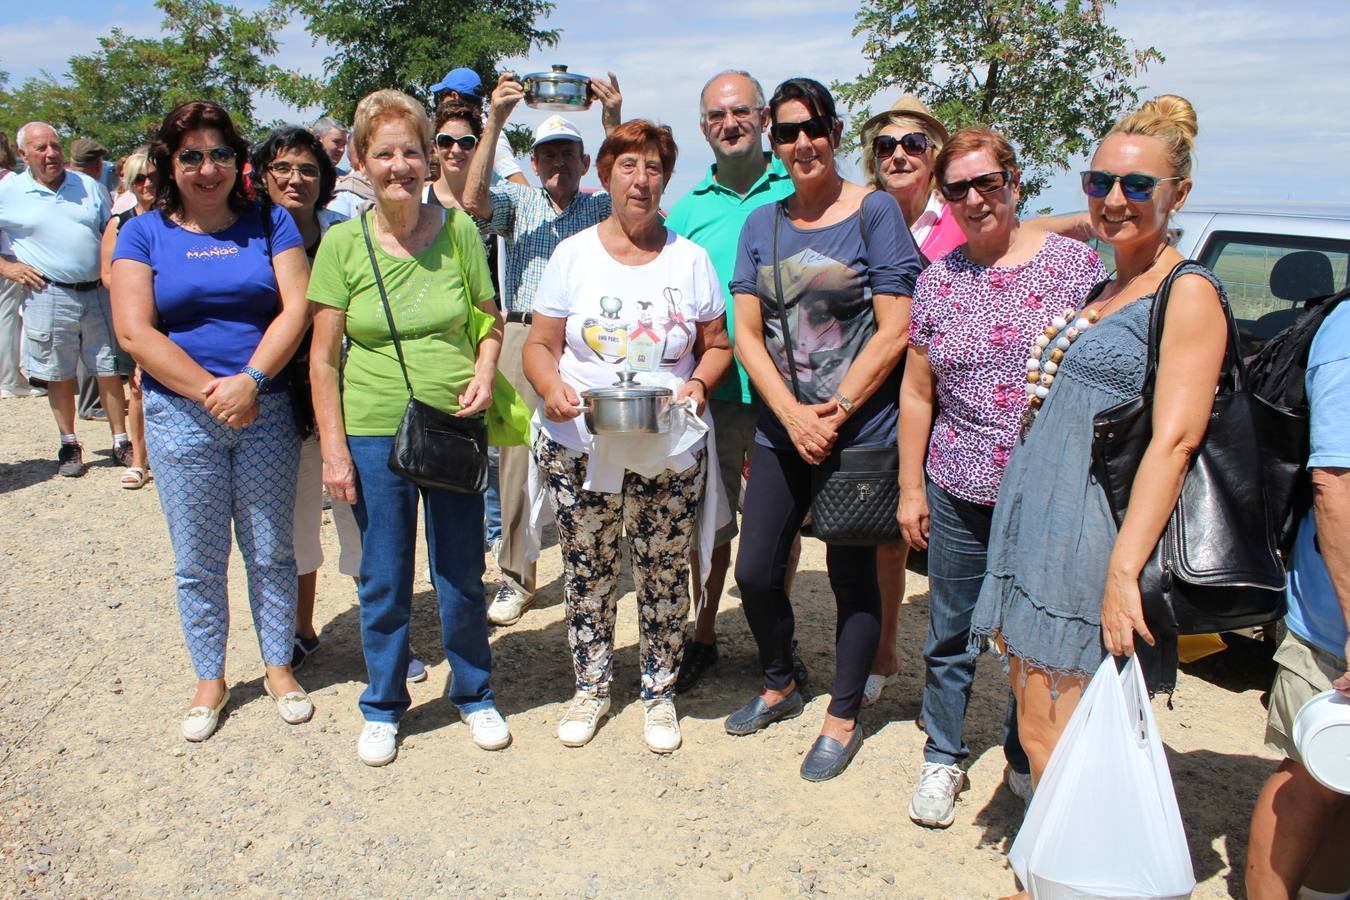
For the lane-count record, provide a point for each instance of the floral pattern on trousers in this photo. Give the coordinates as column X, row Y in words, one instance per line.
column 658, row 515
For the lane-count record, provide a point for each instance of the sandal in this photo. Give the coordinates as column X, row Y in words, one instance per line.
column 134, row 478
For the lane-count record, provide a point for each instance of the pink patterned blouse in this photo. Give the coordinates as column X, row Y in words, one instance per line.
column 978, row 324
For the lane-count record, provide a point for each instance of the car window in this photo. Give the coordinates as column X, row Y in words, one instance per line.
column 1268, row 277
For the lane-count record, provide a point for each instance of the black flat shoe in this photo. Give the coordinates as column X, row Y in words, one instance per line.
column 758, row 715
column 698, row 659
column 829, row 758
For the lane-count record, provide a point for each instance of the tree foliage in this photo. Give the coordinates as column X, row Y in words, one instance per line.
column 1051, row 75
column 119, row 93
column 410, row 44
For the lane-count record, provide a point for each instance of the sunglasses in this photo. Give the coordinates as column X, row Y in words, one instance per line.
column 988, row 183
column 446, row 141
column 1135, row 186
column 916, row 143
column 816, row 128
column 192, row 160
column 286, row 170
column 143, row 178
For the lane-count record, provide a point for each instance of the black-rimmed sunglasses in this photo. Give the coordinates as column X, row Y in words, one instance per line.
column 815, row 127
column 446, row 141
column 193, row 159
column 916, row 143
column 988, row 183
column 1135, row 186
column 143, row 178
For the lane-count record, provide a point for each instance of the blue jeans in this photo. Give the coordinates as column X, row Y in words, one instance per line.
column 211, row 476
column 386, row 514
column 958, row 545
column 492, row 500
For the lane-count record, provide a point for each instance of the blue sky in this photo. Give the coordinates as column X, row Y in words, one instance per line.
column 1266, row 78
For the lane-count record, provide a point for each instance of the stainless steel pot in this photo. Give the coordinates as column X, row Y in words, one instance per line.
column 627, row 408
column 558, row 90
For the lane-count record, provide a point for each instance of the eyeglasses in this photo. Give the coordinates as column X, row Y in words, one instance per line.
column 191, row 160
column 716, row 118
column 143, row 178
column 916, row 143
column 466, row 143
column 1136, row 185
column 816, row 128
column 988, row 183
column 307, row 171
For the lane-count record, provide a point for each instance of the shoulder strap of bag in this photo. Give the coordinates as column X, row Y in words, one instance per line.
column 789, row 343
column 1232, row 374
column 384, row 301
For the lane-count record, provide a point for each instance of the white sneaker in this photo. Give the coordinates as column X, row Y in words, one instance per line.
column 378, row 744
column 21, row 391
column 487, row 728
column 661, row 726
column 1020, row 784
column 508, row 606
column 577, row 725
column 873, row 687
column 934, row 800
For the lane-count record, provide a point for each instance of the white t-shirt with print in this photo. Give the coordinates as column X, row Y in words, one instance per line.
column 619, row 317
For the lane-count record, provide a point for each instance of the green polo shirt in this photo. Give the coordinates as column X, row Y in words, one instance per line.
column 712, row 217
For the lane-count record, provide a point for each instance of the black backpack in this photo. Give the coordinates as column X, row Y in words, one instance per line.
column 1276, row 376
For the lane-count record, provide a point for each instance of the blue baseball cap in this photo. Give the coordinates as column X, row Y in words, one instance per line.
column 462, row 81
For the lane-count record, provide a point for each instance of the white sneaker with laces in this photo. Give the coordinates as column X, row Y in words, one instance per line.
column 487, row 728
column 378, row 744
column 934, row 800
column 578, row 723
column 508, row 606
column 661, row 726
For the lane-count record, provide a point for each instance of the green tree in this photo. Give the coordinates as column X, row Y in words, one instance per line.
column 410, row 44
column 1051, row 75
column 119, row 93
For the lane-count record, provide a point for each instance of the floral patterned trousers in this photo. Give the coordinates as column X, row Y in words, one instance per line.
column 658, row 515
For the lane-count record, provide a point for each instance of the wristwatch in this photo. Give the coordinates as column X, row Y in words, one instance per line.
column 844, row 403
column 261, row 380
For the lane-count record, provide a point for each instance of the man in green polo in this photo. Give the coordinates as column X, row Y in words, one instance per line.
column 733, row 117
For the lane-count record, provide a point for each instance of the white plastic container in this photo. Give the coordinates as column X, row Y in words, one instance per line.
column 1322, row 736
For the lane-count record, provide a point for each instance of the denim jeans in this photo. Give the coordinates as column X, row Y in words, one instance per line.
column 386, row 513
column 958, row 544
column 492, row 500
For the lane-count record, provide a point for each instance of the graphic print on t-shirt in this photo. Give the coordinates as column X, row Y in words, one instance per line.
column 628, row 332
column 829, row 320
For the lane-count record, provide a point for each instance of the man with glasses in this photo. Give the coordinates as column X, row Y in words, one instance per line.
column 733, row 117
column 532, row 222
column 54, row 219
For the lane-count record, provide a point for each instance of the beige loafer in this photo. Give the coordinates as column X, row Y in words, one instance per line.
column 295, row 707
column 201, row 721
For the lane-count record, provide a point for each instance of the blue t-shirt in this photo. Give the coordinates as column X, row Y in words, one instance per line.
column 215, row 294
column 829, row 275
column 1314, row 612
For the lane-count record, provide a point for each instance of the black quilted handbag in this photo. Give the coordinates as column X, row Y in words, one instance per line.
column 432, row 448
column 1215, row 567
column 856, row 490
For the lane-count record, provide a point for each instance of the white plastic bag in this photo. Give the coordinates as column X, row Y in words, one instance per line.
column 1104, row 820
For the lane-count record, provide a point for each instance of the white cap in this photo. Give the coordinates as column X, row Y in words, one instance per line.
column 555, row 128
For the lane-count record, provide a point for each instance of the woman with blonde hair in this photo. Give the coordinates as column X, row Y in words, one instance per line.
column 403, row 282
column 1062, row 587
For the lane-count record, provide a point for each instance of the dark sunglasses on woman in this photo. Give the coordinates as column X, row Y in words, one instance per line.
column 916, row 143
column 143, row 178
column 816, row 128
column 988, row 183
column 1136, row 185
column 446, row 141
column 193, row 159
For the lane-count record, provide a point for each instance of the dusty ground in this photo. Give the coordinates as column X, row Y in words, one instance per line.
column 99, row 795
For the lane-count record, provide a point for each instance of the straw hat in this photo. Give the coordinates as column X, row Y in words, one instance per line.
column 908, row 105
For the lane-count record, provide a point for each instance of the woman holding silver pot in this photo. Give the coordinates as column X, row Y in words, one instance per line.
column 625, row 296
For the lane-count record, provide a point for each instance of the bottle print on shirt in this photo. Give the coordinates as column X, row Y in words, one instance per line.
column 639, row 341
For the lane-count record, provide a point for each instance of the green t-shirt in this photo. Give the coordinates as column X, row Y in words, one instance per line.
column 712, row 217
column 428, row 297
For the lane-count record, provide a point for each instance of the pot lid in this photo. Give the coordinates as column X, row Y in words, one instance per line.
column 558, row 75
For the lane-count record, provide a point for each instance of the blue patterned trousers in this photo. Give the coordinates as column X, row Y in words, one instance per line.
column 210, row 476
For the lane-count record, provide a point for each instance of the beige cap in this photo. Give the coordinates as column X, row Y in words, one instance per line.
column 908, row 105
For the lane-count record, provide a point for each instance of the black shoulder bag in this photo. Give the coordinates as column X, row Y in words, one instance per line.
column 432, row 448
column 856, row 490
column 1215, row 567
